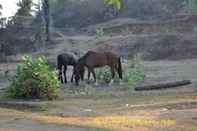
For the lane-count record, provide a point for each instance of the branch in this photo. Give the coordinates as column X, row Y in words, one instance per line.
column 163, row 85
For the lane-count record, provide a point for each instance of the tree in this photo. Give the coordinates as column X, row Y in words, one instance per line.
column 1, row 19
column 24, row 7
column 39, row 27
column 46, row 10
column 1, row 9
column 115, row 3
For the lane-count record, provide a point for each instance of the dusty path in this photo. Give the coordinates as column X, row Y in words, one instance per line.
column 138, row 118
column 12, row 120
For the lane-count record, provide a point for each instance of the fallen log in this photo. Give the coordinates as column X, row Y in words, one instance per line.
column 163, row 85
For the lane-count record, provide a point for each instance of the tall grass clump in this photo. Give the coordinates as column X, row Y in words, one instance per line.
column 34, row 80
column 99, row 34
column 133, row 72
column 104, row 74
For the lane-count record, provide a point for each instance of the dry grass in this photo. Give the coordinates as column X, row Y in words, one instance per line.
column 148, row 120
column 106, row 122
column 125, row 113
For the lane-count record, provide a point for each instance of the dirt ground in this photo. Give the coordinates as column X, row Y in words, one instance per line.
column 110, row 108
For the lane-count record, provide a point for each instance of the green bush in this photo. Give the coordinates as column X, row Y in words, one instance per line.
column 133, row 75
column 99, row 33
column 134, row 71
column 104, row 74
column 34, row 80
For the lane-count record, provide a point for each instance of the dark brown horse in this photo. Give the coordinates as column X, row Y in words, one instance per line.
column 93, row 60
column 64, row 60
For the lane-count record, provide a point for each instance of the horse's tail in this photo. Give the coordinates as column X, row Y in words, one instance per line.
column 119, row 68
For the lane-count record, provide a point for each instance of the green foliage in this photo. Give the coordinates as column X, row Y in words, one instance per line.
column 33, row 79
column 191, row 5
column 104, row 74
column 115, row 3
column 24, row 7
column 134, row 71
column 133, row 75
column 99, row 33
column 1, row 9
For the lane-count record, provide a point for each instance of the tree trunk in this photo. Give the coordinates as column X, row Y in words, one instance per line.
column 163, row 85
column 46, row 9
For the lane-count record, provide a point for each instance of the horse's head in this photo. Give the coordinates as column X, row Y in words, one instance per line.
column 78, row 73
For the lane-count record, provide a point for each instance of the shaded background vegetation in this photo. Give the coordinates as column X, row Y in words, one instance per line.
column 72, row 13
column 26, row 32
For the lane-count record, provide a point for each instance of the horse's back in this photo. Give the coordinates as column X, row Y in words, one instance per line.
column 112, row 56
column 67, row 59
column 97, row 59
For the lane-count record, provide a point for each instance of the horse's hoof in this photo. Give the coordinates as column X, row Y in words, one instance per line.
column 96, row 84
column 121, row 83
column 111, row 82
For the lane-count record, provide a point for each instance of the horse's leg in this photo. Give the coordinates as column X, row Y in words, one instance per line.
column 118, row 71
column 65, row 69
column 82, row 76
column 88, row 75
column 60, row 75
column 113, row 75
column 72, row 77
column 94, row 75
column 59, row 67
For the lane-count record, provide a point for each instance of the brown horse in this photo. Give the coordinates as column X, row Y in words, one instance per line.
column 93, row 60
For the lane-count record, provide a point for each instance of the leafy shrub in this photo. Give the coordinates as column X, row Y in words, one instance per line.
column 134, row 71
column 104, row 74
column 133, row 75
column 33, row 79
column 99, row 33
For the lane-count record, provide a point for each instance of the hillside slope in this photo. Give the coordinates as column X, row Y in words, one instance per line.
column 154, row 40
